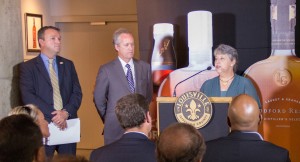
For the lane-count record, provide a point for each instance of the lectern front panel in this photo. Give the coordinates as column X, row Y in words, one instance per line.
column 217, row 126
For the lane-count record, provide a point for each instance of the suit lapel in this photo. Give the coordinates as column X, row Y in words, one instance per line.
column 42, row 69
column 120, row 72
column 61, row 69
column 137, row 72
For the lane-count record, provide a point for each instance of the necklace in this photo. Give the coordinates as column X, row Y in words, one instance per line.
column 225, row 82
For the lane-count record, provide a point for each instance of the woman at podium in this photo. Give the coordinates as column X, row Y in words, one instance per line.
column 228, row 84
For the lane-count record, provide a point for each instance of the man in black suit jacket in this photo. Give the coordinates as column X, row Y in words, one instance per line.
column 111, row 83
column 37, row 88
column 244, row 143
column 134, row 146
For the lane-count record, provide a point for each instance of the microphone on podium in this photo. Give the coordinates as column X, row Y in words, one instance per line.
column 174, row 93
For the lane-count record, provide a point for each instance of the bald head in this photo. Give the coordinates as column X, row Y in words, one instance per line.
column 244, row 114
column 180, row 142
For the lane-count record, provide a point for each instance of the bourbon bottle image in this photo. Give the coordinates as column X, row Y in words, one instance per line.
column 200, row 57
column 163, row 62
column 34, row 34
column 277, row 81
column 163, row 59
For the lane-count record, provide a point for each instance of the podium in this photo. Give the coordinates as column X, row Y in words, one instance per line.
column 215, row 128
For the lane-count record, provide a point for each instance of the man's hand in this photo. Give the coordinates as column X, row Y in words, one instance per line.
column 60, row 118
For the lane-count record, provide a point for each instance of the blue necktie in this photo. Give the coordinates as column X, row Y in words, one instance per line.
column 130, row 78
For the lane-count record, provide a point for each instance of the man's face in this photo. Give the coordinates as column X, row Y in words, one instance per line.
column 125, row 47
column 50, row 45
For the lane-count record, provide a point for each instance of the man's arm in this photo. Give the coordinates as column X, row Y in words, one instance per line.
column 28, row 88
column 75, row 99
column 101, row 91
column 150, row 84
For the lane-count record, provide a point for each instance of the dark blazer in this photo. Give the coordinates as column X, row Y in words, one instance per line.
column 132, row 147
column 111, row 85
column 244, row 147
column 36, row 88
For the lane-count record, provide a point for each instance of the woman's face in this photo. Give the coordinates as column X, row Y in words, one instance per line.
column 43, row 124
column 223, row 63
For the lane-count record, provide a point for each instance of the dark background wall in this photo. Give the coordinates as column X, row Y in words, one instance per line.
column 243, row 24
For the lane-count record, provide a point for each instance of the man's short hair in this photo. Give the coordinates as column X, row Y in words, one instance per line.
column 117, row 34
column 180, row 142
column 42, row 30
column 20, row 139
column 131, row 110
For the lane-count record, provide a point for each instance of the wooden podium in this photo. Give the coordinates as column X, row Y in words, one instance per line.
column 217, row 126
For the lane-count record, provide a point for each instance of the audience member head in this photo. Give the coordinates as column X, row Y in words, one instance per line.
column 244, row 113
column 36, row 114
column 180, row 142
column 124, row 44
column 133, row 112
column 20, row 140
column 229, row 51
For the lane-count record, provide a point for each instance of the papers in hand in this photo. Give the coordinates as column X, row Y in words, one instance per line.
column 69, row 135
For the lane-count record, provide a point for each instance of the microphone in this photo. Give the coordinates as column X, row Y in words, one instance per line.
column 174, row 93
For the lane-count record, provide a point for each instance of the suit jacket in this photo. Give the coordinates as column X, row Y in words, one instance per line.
column 239, row 85
column 36, row 88
column 132, row 147
column 111, row 85
column 244, row 147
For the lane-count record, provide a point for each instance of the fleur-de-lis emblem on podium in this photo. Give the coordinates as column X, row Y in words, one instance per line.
column 193, row 109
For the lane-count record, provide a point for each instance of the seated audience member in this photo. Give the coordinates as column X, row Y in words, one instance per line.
column 244, row 143
column 20, row 140
column 180, row 142
column 36, row 114
column 133, row 114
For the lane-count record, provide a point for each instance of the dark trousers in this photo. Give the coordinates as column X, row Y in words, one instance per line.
column 61, row 149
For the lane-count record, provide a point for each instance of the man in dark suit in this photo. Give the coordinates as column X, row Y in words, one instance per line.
column 180, row 142
column 133, row 114
column 120, row 77
column 51, row 83
column 244, row 143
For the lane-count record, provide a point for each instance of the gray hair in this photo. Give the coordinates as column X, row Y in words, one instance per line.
column 229, row 51
column 117, row 34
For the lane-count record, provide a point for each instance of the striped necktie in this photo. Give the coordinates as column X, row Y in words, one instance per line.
column 130, row 78
column 56, row 92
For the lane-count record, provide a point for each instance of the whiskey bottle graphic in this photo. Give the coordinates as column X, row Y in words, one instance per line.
column 163, row 59
column 34, row 34
column 277, row 80
column 163, row 62
column 200, row 57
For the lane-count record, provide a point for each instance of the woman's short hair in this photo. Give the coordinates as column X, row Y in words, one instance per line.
column 230, row 52
column 30, row 110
